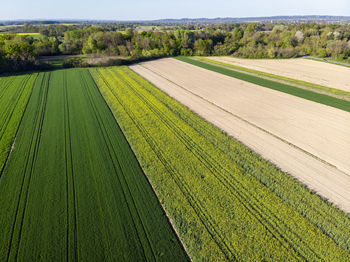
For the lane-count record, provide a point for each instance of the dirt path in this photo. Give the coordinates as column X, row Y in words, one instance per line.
column 317, row 72
column 306, row 139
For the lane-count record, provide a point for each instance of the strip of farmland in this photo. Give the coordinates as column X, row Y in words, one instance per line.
column 226, row 202
column 14, row 95
column 281, row 79
column 308, row 140
column 317, row 72
column 72, row 189
column 285, row 88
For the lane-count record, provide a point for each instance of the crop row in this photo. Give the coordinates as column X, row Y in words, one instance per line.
column 14, row 95
column 72, row 188
column 226, row 202
column 15, row 189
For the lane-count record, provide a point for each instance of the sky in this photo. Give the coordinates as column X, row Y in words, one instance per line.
column 159, row 9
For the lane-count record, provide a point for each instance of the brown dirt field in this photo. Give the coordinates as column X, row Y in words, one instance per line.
column 317, row 72
column 308, row 140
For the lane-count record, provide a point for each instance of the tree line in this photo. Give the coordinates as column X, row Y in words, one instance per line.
column 253, row 40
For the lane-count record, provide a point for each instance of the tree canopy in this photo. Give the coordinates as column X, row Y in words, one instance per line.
column 253, row 40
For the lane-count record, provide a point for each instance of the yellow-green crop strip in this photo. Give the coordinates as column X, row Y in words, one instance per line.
column 28, row 34
column 226, row 202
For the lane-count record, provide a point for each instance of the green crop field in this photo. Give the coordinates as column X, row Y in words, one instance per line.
column 72, row 189
column 14, row 96
column 286, row 88
column 226, row 202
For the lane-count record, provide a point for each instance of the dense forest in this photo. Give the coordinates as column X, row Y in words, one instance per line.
column 252, row 40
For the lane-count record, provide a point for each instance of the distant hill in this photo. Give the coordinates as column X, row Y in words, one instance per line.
column 267, row 19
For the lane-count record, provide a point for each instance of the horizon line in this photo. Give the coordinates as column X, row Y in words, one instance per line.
column 183, row 18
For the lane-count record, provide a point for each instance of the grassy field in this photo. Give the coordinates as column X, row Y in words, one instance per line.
column 6, row 27
column 340, row 62
column 33, row 35
column 227, row 203
column 14, row 95
column 72, row 188
column 68, row 24
column 289, row 89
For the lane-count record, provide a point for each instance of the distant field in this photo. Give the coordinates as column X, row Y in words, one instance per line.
column 9, row 26
column 72, row 189
column 27, row 34
column 157, row 28
column 34, row 35
column 67, row 24
column 226, row 202
column 317, row 72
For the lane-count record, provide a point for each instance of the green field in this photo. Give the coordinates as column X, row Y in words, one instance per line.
column 14, row 95
column 227, row 203
column 33, row 35
column 286, row 88
column 72, row 189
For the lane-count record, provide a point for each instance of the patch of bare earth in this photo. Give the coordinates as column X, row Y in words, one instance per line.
column 317, row 72
column 306, row 139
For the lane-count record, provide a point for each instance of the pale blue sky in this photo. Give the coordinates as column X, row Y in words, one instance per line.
column 157, row 9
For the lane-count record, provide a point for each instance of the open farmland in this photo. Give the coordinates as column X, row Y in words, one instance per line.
column 313, row 94
column 309, row 140
column 226, row 202
column 14, row 95
column 72, row 189
column 317, row 72
column 295, row 83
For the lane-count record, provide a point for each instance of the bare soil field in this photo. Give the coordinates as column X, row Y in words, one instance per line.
column 317, row 72
column 308, row 140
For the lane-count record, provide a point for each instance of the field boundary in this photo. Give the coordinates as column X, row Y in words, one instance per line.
column 326, row 60
column 155, row 105
column 182, row 186
column 288, row 89
column 246, row 121
column 144, row 172
column 73, row 188
column 337, row 93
